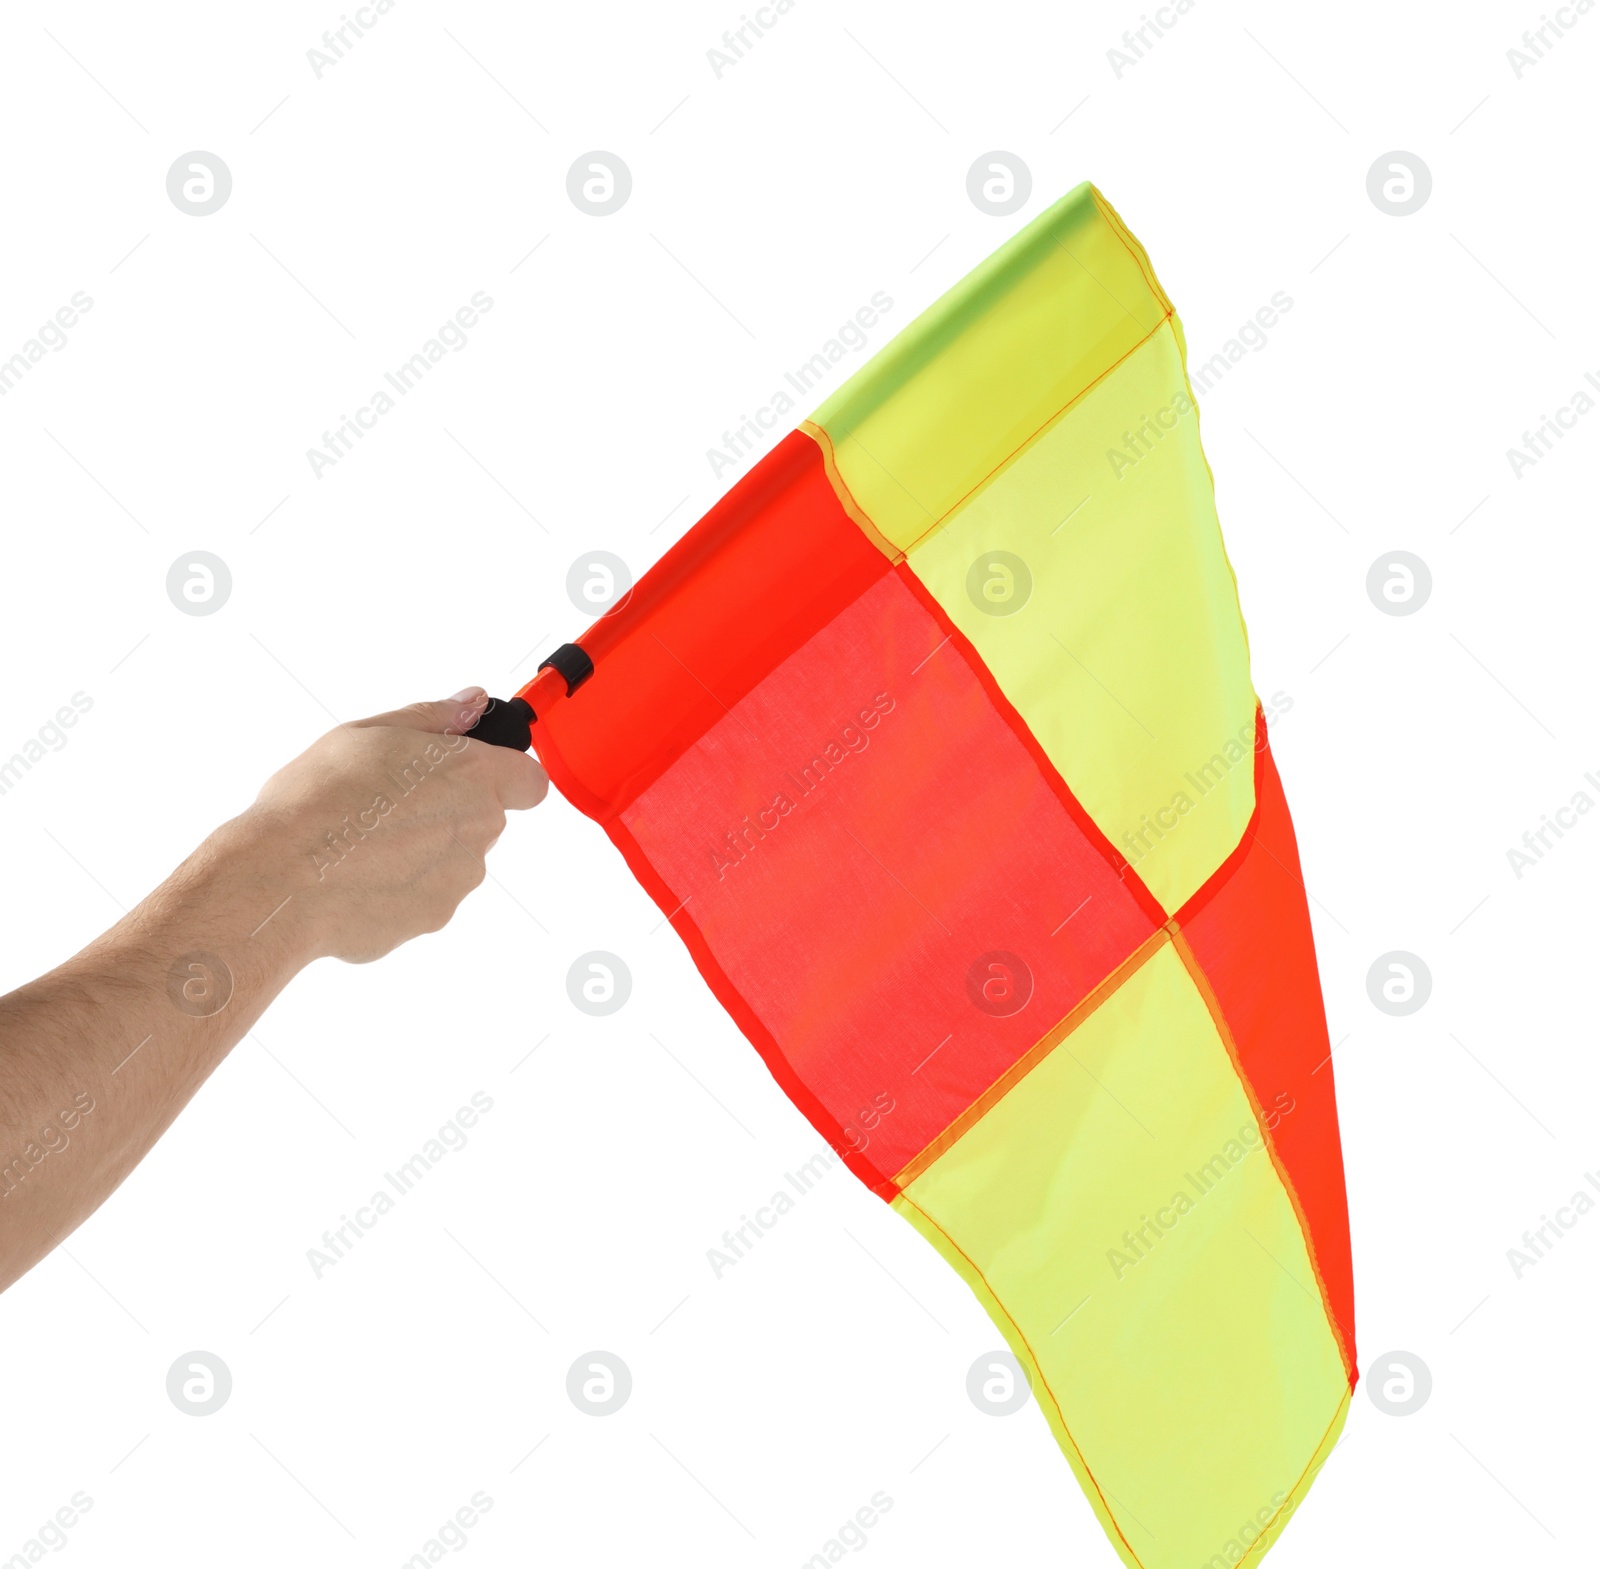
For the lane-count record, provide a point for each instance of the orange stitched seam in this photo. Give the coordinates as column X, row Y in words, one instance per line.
column 1202, row 985
column 1032, row 1357
column 1141, row 258
column 859, row 513
column 853, row 508
column 1288, row 1503
column 1255, row 1546
column 985, row 1102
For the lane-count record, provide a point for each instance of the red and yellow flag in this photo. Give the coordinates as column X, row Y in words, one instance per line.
column 936, row 740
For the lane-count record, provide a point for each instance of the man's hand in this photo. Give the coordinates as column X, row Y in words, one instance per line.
column 370, row 837
column 388, row 821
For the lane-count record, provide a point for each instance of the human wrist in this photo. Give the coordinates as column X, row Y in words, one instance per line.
column 247, row 887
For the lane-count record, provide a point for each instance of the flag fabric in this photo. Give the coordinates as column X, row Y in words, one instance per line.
column 935, row 739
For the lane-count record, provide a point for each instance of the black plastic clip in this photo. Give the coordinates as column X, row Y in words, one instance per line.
column 572, row 664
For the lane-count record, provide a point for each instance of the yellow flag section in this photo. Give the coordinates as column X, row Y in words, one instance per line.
column 1119, row 1216
column 1030, row 446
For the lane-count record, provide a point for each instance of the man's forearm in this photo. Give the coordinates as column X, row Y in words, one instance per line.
column 99, row 1056
column 369, row 838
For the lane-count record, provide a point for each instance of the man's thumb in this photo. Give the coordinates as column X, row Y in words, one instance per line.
column 444, row 716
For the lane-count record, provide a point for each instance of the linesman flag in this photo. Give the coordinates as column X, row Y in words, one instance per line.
column 935, row 739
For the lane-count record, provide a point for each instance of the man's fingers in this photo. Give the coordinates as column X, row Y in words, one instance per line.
column 519, row 780
column 446, row 716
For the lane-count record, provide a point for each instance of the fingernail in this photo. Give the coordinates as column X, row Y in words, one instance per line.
column 471, row 695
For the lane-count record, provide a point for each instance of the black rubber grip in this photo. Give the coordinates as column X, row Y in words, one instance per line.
column 505, row 722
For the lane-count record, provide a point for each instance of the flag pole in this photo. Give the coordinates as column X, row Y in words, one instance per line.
column 510, row 721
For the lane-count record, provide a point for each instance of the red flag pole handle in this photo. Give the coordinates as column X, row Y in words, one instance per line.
column 509, row 722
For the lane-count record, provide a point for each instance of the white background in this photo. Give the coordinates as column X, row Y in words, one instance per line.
column 768, row 205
